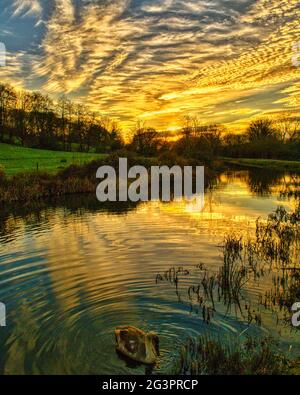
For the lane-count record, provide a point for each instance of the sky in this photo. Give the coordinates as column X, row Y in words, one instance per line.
column 157, row 61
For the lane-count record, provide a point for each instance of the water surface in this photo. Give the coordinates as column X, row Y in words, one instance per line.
column 71, row 272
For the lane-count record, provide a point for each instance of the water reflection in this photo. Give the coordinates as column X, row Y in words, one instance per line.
column 73, row 270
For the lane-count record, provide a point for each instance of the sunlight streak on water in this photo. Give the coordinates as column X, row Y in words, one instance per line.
column 69, row 277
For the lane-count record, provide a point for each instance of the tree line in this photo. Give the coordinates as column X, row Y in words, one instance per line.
column 264, row 138
column 35, row 120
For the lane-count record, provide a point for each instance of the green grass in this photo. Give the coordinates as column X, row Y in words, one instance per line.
column 15, row 159
column 271, row 164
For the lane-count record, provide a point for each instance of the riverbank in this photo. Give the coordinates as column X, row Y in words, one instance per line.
column 28, row 187
column 269, row 164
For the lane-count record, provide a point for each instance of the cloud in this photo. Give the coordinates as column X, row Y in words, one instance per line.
column 26, row 8
column 161, row 59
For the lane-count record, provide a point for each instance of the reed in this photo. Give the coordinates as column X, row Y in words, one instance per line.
column 233, row 274
column 284, row 293
column 278, row 238
column 207, row 356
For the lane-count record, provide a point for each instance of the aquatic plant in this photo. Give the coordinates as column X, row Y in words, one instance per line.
column 275, row 247
column 208, row 356
column 276, row 243
column 284, row 293
column 172, row 275
column 233, row 275
column 278, row 238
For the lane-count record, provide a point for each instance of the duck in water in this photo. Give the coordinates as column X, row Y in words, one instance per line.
column 137, row 345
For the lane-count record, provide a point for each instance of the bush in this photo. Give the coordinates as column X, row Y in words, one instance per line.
column 71, row 171
column 171, row 159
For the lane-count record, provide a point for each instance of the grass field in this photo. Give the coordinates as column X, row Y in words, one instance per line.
column 270, row 164
column 15, row 159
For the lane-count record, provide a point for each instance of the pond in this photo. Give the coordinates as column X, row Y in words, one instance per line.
column 72, row 271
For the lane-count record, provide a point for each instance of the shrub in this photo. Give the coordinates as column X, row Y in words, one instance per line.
column 171, row 158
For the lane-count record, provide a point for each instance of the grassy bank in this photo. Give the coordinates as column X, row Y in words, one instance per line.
column 283, row 165
column 16, row 159
column 28, row 187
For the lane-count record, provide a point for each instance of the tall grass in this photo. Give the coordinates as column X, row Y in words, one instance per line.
column 278, row 239
column 233, row 273
column 207, row 356
column 274, row 249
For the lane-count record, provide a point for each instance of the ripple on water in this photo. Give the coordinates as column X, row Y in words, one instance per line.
column 69, row 279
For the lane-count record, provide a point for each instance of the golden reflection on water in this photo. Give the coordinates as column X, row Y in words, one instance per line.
column 71, row 277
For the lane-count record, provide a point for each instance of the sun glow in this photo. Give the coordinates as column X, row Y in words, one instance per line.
column 224, row 62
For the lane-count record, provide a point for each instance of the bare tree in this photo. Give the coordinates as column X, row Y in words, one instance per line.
column 261, row 129
column 8, row 100
column 22, row 120
column 145, row 140
column 288, row 128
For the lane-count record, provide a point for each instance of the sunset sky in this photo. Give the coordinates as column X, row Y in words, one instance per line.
column 226, row 61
